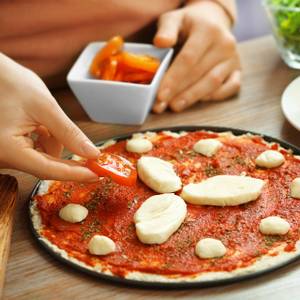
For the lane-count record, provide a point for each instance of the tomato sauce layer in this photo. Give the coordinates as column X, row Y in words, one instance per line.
column 112, row 207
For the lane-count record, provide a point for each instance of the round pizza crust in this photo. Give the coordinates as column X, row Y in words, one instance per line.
column 264, row 264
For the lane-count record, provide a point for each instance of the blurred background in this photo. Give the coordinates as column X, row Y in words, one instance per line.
column 252, row 20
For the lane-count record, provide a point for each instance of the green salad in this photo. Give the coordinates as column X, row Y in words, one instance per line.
column 287, row 22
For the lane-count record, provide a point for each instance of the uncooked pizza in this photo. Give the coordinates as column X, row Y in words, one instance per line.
column 195, row 206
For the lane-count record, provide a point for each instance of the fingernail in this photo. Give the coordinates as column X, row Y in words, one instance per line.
column 179, row 105
column 164, row 95
column 93, row 179
column 90, row 176
column 159, row 107
column 89, row 150
column 164, row 41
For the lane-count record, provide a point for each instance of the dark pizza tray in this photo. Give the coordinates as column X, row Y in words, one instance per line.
column 170, row 285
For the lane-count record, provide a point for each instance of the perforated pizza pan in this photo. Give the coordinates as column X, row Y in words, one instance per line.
column 160, row 284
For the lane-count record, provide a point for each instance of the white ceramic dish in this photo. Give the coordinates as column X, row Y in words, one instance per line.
column 112, row 101
column 290, row 103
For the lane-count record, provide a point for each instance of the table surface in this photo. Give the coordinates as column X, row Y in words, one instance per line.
column 34, row 274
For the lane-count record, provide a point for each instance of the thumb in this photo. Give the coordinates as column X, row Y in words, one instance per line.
column 64, row 130
column 169, row 25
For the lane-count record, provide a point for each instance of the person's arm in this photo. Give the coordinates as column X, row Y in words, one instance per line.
column 230, row 8
column 47, row 36
column 207, row 66
column 28, row 108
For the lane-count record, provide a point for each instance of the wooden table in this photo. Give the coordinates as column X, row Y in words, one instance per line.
column 34, row 274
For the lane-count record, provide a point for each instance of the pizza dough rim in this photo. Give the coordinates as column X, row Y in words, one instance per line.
column 262, row 264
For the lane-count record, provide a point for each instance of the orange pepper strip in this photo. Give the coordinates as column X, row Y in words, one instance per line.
column 119, row 76
column 112, row 47
column 141, row 77
column 109, row 68
column 140, row 62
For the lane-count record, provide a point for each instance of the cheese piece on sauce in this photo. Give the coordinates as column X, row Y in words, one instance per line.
column 149, row 135
column 158, row 174
column 138, row 145
column 101, row 245
column 295, row 188
column 223, row 190
column 274, row 225
column 73, row 213
column 269, row 159
column 174, row 134
column 159, row 217
column 107, row 144
column 207, row 147
column 210, row 248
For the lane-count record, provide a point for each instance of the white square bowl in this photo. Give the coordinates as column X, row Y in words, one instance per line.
column 112, row 101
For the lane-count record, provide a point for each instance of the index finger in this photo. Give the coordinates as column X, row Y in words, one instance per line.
column 191, row 52
column 45, row 166
column 49, row 114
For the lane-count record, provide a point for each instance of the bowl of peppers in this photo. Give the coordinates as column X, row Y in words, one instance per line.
column 116, row 82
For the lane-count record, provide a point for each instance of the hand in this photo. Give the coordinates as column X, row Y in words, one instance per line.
column 208, row 66
column 28, row 109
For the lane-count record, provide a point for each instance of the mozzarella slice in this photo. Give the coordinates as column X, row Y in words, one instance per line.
column 138, row 145
column 158, row 174
column 207, row 147
column 210, row 248
column 101, row 245
column 269, row 159
column 223, row 190
column 274, row 225
column 159, row 217
column 73, row 213
column 295, row 188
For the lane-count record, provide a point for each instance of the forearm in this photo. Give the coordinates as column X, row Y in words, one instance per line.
column 49, row 37
column 230, row 8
